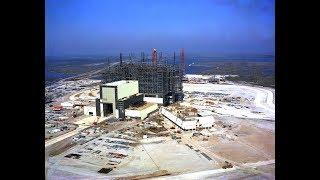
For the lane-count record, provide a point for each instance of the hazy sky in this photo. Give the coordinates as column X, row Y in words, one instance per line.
column 99, row 27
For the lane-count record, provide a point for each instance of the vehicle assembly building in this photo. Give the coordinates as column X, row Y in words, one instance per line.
column 159, row 82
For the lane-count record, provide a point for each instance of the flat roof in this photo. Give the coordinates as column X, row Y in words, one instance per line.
column 141, row 106
column 125, row 98
column 117, row 83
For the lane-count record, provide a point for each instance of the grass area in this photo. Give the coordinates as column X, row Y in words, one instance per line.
column 258, row 73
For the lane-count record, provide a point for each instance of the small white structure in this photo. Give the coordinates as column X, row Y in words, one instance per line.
column 54, row 131
column 63, row 117
column 90, row 110
column 189, row 123
column 67, row 104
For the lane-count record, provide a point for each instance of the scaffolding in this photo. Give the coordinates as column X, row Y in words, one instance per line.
column 159, row 80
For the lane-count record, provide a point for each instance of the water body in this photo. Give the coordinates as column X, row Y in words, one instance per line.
column 61, row 67
column 57, row 68
column 196, row 65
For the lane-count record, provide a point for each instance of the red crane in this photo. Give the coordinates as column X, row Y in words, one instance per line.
column 154, row 56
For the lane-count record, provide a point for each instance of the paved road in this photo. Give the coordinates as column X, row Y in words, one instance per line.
column 64, row 136
column 84, row 123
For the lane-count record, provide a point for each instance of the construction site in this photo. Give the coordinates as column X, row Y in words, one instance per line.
column 142, row 121
column 159, row 81
column 156, row 147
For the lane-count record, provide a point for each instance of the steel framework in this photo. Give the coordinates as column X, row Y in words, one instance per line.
column 160, row 80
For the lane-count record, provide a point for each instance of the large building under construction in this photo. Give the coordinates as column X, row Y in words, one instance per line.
column 160, row 82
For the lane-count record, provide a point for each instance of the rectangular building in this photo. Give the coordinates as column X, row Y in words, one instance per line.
column 116, row 97
column 188, row 123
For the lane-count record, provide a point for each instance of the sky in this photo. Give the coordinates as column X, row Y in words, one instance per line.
column 211, row 27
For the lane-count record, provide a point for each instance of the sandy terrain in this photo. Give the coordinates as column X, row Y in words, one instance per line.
column 240, row 136
column 262, row 99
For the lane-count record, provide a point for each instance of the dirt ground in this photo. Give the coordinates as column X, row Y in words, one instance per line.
column 238, row 144
column 252, row 144
column 259, row 138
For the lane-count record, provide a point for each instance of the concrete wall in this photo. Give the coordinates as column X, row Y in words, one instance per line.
column 153, row 100
column 109, row 96
column 101, row 111
column 145, row 112
column 104, row 93
column 206, row 121
column 88, row 109
column 132, row 113
column 116, row 113
column 171, row 117
column 189, row 124
column 142, row 113
column 128, row 89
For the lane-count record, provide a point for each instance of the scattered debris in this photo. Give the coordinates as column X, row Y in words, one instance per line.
column 189, row 146
column 196, row 134
column 73, row 156
column 105, row 170
column 227, row 165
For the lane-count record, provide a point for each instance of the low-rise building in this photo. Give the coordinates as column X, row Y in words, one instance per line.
column 189, row 122
column 122, row 99
column 90, row 110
